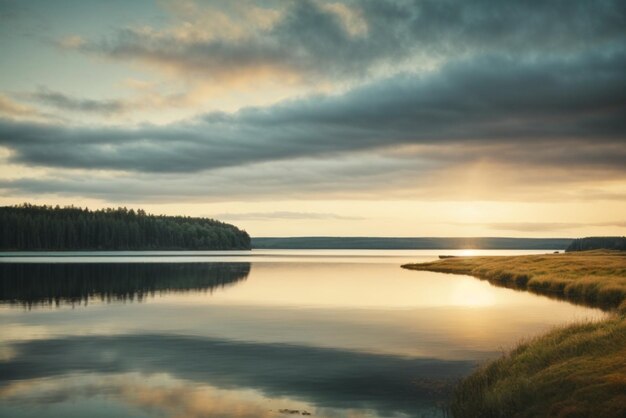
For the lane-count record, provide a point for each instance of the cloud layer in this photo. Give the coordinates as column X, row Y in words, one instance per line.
column 319, row 39
column 485, row 100
column 416, row 95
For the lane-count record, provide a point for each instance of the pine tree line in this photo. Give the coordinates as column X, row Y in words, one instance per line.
column 31, row 227
column 598, row 243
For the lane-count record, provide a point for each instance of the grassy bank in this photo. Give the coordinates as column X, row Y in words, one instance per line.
column 575, row 371
column 594, row 278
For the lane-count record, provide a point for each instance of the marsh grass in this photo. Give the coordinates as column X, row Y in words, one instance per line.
column 593, row 278
column 573, row 371
column 576, row 371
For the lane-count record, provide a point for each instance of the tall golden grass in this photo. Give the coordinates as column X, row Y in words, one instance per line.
column 574, row 371
column 595, row 278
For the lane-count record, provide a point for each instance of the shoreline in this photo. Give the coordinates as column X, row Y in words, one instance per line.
column 577, row 370
column 592, row 278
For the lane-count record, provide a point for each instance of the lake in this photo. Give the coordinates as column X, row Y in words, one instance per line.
column 268, row 333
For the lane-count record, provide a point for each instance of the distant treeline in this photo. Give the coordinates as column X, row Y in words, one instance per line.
column 30, row 227
column 422, row 243
column 598, row 243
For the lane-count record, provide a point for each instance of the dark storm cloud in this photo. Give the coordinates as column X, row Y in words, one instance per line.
column 313, row 41
column 484, row 100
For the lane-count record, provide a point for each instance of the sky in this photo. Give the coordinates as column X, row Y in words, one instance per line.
column 315, row 117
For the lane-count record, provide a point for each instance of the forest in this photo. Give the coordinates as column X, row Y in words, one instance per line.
column 32, row 227
column 598, row 243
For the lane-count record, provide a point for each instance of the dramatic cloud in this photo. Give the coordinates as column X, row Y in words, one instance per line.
column 484, row 100
column 425, row 173
column 323, row 40
column 318, row 101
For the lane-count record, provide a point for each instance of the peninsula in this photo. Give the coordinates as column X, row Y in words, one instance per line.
column 39, row 228
column 574, row 371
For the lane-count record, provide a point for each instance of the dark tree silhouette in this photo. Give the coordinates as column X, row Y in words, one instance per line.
column 598, row 243
column 30, row 227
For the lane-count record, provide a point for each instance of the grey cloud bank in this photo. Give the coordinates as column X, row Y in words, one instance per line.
column 431, row 87
column 315, row 42
column 491, row 100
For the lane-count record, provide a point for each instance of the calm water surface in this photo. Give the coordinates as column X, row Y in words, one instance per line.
column 249, row 334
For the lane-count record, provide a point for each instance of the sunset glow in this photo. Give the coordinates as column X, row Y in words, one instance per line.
column 320, row 117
